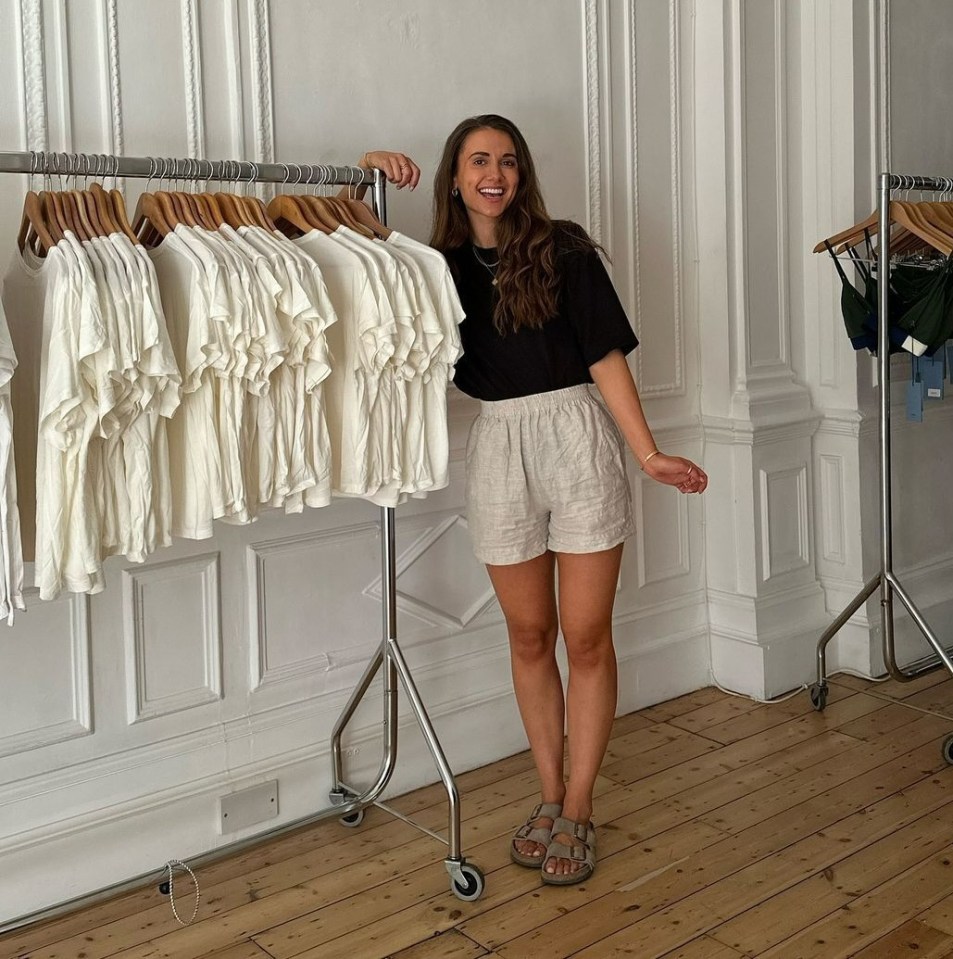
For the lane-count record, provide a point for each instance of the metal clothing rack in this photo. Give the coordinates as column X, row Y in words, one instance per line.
column 885, row 578
column 347, row 802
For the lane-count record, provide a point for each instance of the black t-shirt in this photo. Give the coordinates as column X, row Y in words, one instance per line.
column 590, row 324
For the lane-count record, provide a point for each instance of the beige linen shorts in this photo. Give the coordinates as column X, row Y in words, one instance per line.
column 546, row 472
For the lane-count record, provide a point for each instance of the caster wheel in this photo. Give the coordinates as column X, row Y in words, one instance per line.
column 948, row 749
column 819, row 697
column 353, row 819
column 473, row 886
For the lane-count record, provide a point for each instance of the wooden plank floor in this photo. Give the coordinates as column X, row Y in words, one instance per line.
column 726, row 829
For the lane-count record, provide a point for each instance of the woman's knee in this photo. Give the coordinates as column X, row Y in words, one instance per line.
column 532, row 642
column 589, row 648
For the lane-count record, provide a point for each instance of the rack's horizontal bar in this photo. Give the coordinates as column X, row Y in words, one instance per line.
column 904, row 181
column 102, row 165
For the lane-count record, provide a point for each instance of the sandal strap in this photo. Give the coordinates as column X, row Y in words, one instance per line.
column 583, row 833
column 540, row 834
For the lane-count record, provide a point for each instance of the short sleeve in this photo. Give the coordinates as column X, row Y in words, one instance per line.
column 592, row 307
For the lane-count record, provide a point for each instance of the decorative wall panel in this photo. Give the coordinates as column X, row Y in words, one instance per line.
column 307, row 600
column 45, row 682
column 438, row 578
column 172, row 636
column 832, row 509
column 661, row 533
column 784, row 521
column 655, row 195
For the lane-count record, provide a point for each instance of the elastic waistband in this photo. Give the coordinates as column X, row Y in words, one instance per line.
column 535, row 401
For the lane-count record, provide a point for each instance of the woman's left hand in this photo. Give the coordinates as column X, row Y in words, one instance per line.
column 676, row 471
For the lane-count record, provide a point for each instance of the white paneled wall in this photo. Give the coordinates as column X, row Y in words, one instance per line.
column 223, row 663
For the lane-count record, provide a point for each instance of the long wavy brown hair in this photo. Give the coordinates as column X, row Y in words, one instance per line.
column 527, row 282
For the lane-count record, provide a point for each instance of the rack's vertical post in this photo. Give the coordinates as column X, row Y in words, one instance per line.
column 883, row 367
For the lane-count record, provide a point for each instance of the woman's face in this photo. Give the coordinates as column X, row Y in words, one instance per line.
column 486, row 175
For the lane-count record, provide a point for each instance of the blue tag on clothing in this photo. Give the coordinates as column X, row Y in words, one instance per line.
column 932, row 374
column 915, row 395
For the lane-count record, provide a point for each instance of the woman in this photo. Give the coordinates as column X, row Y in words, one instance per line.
column 546, row 484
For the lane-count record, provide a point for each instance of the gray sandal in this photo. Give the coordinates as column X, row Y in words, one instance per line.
column 531, row 833
column 582, row 850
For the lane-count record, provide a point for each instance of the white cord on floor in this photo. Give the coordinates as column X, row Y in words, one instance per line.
column 777, row 699
column 794, row 692
column 170, row 865
column 854, row 672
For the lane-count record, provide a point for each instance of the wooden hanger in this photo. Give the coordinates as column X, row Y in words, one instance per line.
column 259, row 213
column 320, row 212
column 185, row 211
column 84, row 220
column 285, row 209
column 914, row 219
column 34, row 226
column 868, row 226
column 63, row 217
column 902, row 213
column 104, row 210
column 940, row 215
column 346, row 215
column 362, row 212
column 118, row 204
column 232, row 210
column 154, row 217
column 211, row 213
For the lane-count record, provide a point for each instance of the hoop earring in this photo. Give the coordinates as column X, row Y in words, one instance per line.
column 455, row 192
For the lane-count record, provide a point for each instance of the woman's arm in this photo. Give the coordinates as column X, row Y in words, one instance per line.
column 398, row 168
column 614, row 379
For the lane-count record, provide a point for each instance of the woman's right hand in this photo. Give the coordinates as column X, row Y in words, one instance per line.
column 397, row 167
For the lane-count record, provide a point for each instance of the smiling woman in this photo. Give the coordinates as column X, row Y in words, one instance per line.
column 546, row 477
column 486, row 180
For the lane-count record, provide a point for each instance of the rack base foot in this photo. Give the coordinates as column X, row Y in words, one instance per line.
column 466, row 880
column 948, row 750
column 819, row 696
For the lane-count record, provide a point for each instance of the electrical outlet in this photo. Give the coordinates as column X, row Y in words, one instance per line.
column 351, row 751
column 248, row 806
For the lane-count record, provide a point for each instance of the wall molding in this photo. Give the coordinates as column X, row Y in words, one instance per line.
column 262, row 672
column 192, row 64
column 635, row 274
column 61, row 81
column 682, row 564
column 111, row 81
column 833, row 509
column 236, row 94
column 781, row 168
column 429, row 612
column 261, row 76
column 675, row 93
column 778, row 559
column 594, row 148
column 140, row 705
column 35, row 121
column 80, row 723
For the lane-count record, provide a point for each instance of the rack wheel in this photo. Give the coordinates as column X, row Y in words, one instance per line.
column 948, row 749
column 819, row 696
column 473, row 887
column 353, row 819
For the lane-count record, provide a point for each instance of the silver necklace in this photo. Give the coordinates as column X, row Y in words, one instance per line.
column 489, row 267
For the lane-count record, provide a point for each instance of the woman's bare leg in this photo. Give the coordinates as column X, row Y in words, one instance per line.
column 587, row 585
column 526, row 592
